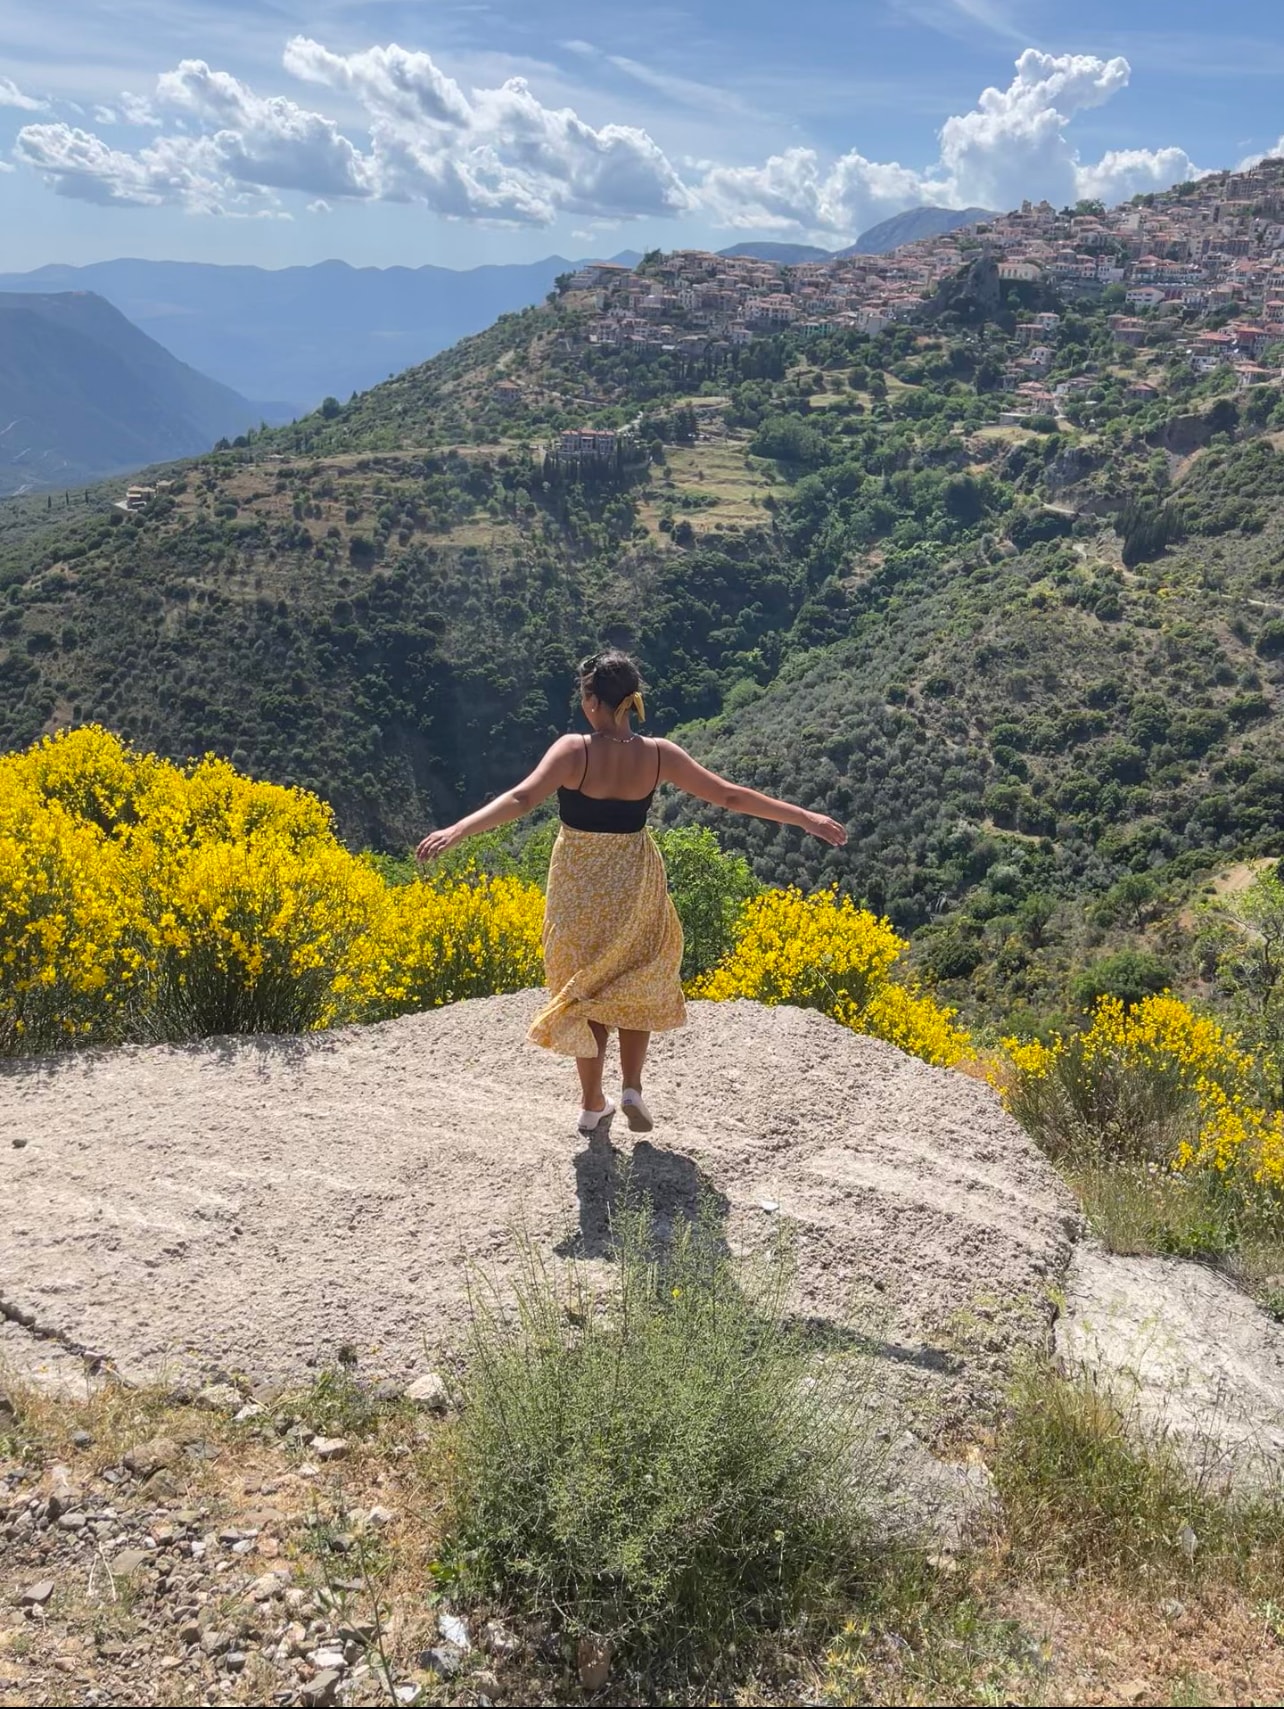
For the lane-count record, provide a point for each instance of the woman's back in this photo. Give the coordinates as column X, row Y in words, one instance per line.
column 616, row 785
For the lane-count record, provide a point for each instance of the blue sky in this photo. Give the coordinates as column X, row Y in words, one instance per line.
column 465, row 131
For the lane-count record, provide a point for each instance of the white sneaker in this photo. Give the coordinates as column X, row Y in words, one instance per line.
column 636, row 1113
column 590, row 1120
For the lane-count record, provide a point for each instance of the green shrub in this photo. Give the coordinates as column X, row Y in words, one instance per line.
column 1093, row 1107
column 709, row 889
column 1130, row 974
column 667, row 1466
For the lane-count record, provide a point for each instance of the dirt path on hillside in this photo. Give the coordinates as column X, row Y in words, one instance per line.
column 257, row 1206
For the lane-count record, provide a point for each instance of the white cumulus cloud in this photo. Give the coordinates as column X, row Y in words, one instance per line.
column 77, row 163
column 491, row 153
column 12, row 96
column 1011, row 145
column 500, row 154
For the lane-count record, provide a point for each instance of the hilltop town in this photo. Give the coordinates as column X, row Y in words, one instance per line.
column 1206, row 256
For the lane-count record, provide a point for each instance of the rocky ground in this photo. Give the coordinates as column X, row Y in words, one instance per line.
column 210, row 1549
column 207, row 1548
column 234, row 1282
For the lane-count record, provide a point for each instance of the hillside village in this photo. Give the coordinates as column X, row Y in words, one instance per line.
column 1208, row 250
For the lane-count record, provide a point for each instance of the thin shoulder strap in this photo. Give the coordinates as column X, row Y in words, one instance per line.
column 659, row 757
column 584, row 772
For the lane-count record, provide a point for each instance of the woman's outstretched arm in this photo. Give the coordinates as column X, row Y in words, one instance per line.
column 678, row 768
column 557, row 767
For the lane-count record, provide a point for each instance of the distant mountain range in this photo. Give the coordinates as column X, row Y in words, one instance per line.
column 299, row 334
column 302, row 333
column 84, row 393
column 909, row 227
column 912, row 226
column 785, row 254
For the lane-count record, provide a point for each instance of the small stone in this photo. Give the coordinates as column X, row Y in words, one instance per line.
column 110, row 1649
column 19, row 1141
column 251, row 1409
column 321, row 1689
column 72, row 1521
column 295, row 1598
column 406, row 1693
column 214, row 1642
column 454, row 1631
column 380, row 1516
column 234, row 1661
column 1133, row 1690
column 443, row 1661
column 163, row 1486
column 189, row 1632
column 327, row 1658
column 497, row 1640
column 220, row 1397
column 144, row 1458
column 329, row 1447
column 128, row 1561
column 593, row 1662
column 37, row 1595
column 63, row 1497
column 265, row 1588
column 430, row 1392
column 81, row 1439
column 387, row 1389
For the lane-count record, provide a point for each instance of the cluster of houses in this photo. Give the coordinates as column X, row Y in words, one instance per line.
column 1214, row 244
column 136, row 498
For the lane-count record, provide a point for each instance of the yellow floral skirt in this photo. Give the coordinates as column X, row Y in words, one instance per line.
column 612, row 941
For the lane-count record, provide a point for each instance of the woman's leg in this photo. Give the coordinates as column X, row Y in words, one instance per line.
column 633, row 1047
column 590, row 1071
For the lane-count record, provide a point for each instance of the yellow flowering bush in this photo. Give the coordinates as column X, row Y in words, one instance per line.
column 1157, row 1082
column 140, row 899
column 254, row 935
column 468, row 936
column 71, row 929
column 823, row 952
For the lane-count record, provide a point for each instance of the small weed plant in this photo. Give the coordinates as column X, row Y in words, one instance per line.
column 664, row 1465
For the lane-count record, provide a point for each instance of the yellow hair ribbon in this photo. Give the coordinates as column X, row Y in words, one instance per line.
column 635, row 701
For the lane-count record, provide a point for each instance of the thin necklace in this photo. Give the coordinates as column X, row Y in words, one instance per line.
column 620, row 741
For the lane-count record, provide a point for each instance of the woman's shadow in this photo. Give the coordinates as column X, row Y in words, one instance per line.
column 667, row 1186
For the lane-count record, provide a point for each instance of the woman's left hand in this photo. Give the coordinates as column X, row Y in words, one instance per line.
column 437, row 842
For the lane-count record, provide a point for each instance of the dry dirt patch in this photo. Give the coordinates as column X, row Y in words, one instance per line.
column 258, row 1205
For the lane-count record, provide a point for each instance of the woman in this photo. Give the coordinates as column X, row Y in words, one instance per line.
column 612, row 941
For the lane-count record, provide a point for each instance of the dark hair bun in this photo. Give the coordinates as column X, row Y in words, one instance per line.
column 610, row 677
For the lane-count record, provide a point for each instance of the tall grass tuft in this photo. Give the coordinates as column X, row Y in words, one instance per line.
column 662, row 1465
column 1085, row 1487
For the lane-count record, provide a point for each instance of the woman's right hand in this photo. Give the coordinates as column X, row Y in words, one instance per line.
column 827, row 829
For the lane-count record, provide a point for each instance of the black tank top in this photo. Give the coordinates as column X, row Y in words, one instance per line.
column 592, row 813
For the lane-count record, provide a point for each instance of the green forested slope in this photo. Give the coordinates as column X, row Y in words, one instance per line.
column 1021, row 662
